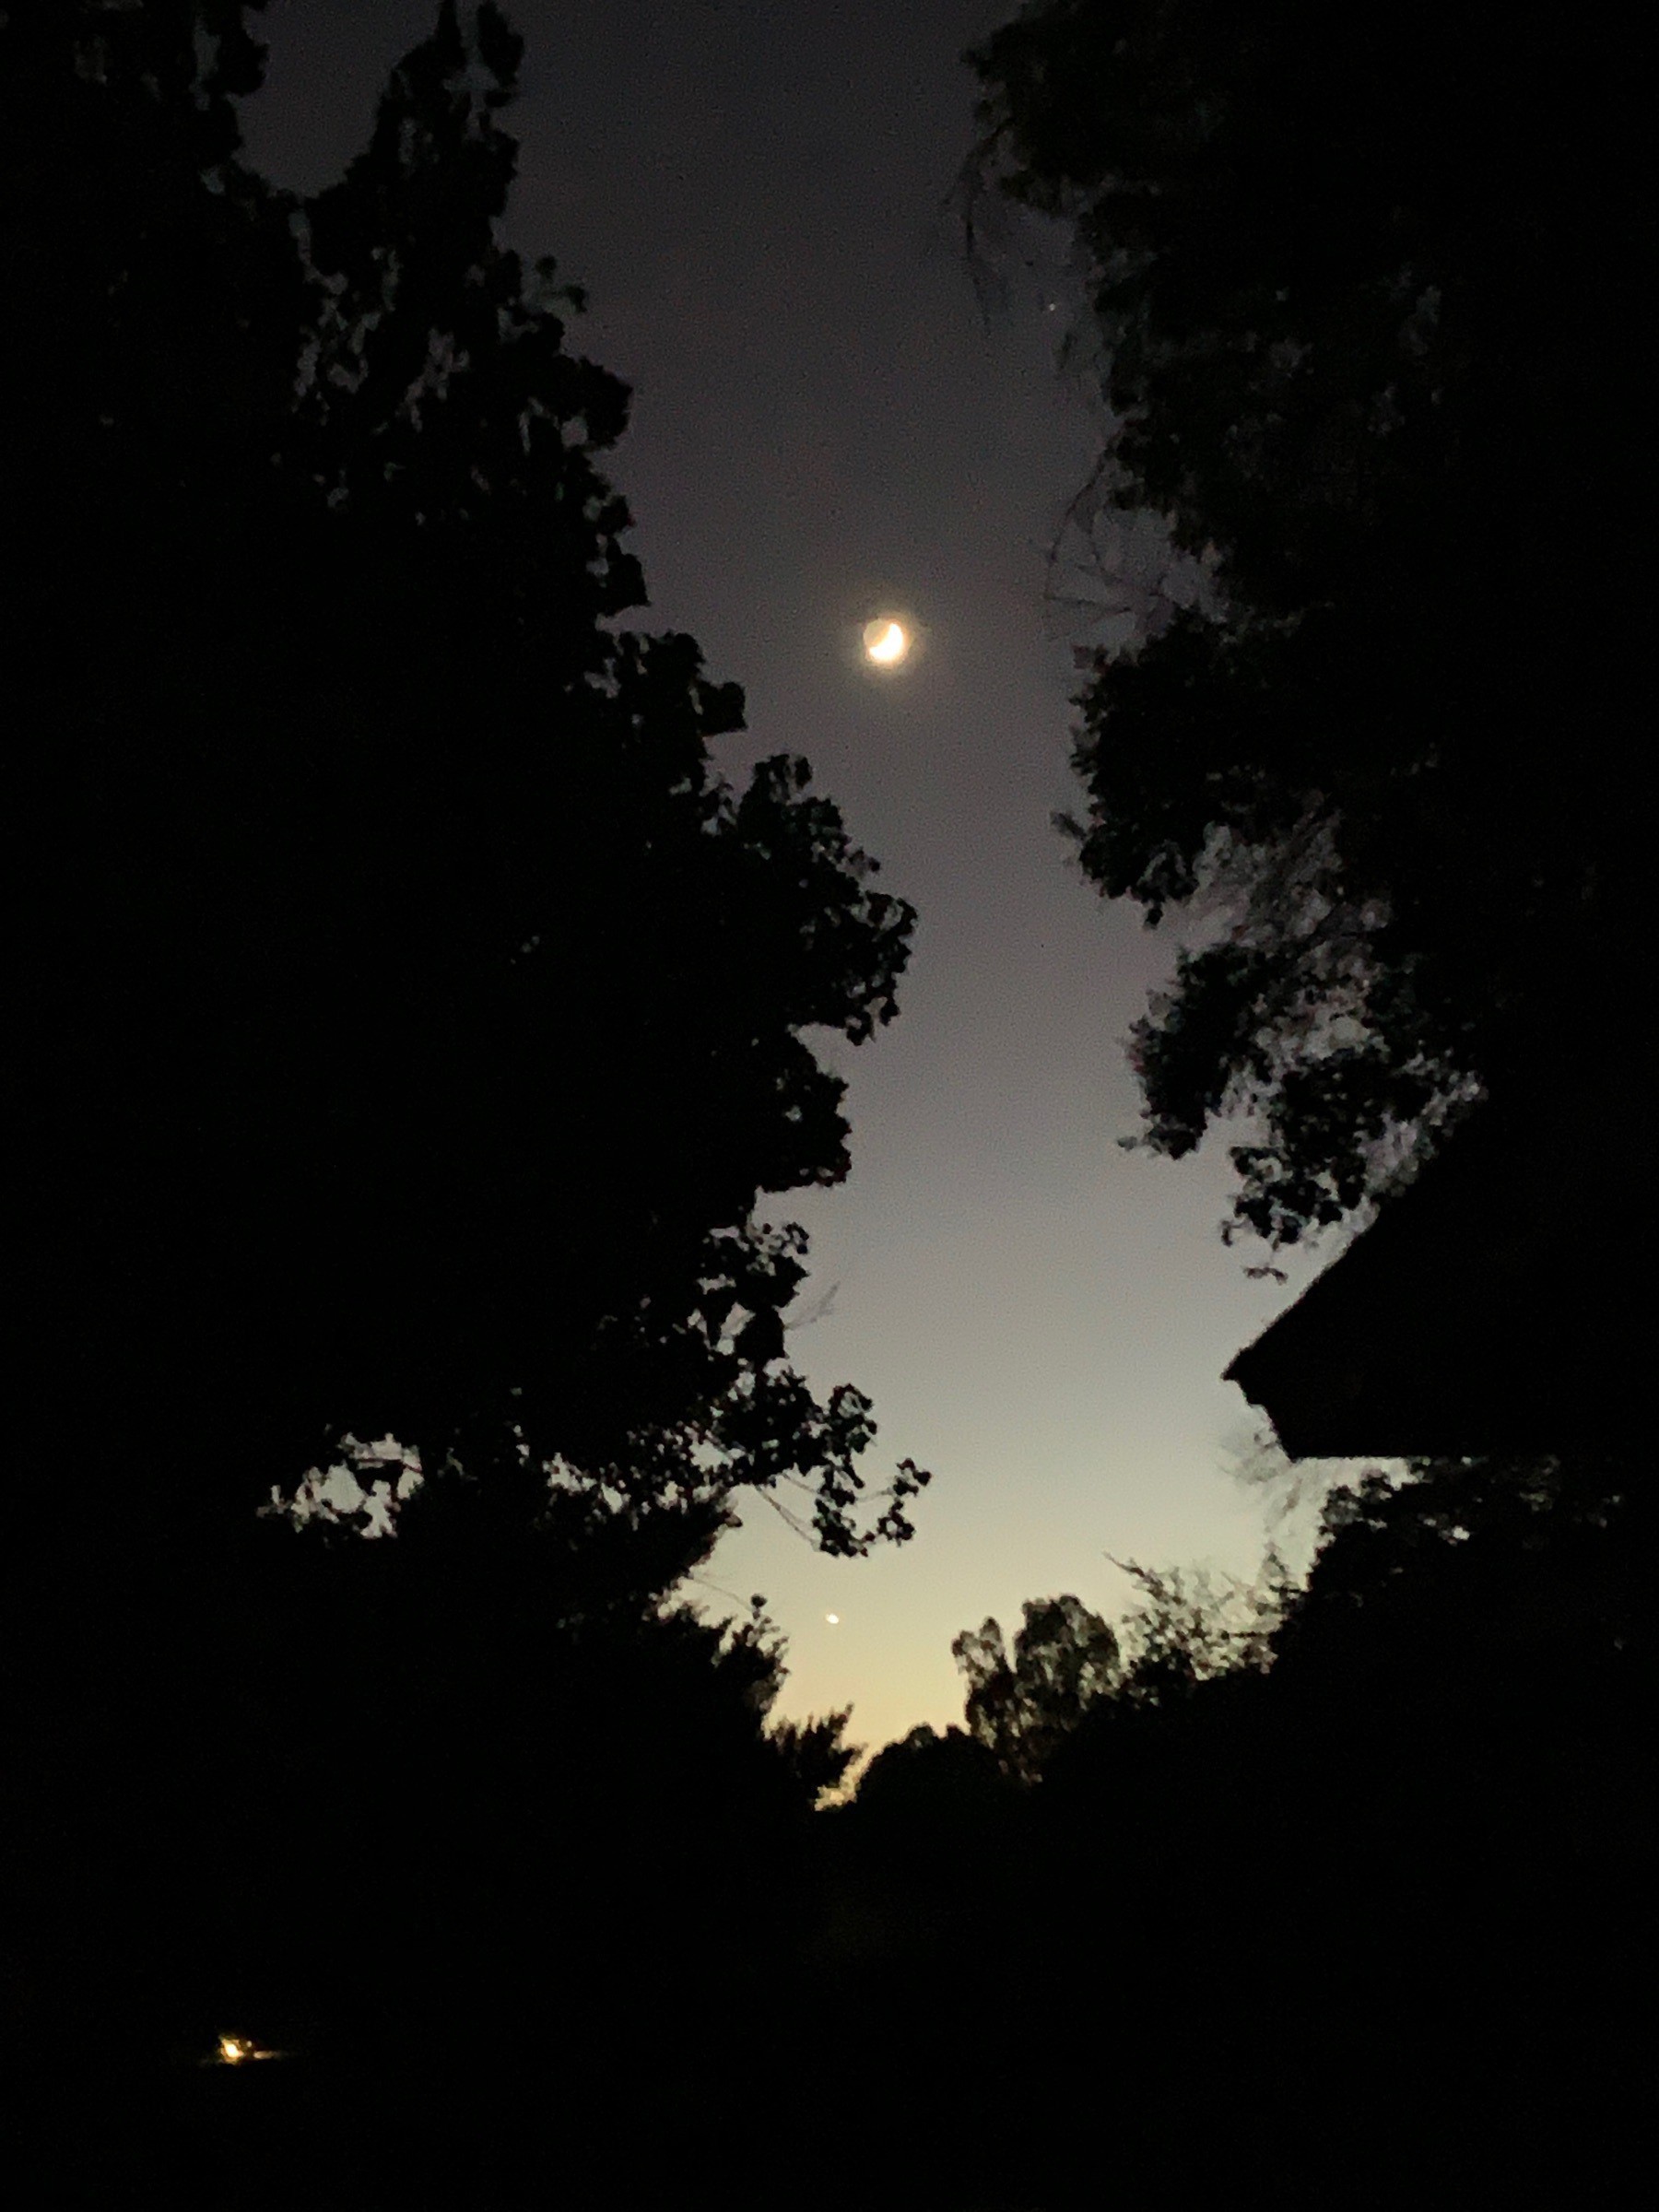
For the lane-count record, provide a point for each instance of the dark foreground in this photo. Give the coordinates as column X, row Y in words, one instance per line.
column 972, row 2092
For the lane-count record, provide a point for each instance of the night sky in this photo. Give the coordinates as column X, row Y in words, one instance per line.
column 828, row 421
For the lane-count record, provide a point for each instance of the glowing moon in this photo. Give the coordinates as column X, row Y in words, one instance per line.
column 884, row 641
column 833, row 1619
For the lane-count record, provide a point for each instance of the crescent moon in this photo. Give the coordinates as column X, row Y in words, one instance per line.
column 884, row 642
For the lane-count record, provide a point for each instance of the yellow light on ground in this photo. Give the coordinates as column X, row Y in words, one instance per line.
column 239, row 2050
column 886, row 642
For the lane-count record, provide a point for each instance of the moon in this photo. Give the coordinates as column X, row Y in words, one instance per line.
column 886, row 642
column 833, row 1619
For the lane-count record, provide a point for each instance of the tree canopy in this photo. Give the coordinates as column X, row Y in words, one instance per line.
column 1361, row 291
column 1065, row 1659
column 413, row 1026
column 415, row 1019
column 1348, row 1867
column 1069, row 1666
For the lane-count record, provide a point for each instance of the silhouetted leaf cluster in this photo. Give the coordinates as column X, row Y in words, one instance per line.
column 412, row 1023
column 1067, row 1661
column 414, row 1015
column 1347, row 1872
column 1361, row 284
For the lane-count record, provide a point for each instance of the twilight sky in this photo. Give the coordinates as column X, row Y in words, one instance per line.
column 826, row 425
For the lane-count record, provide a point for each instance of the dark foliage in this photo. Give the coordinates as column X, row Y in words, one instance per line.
column 411, row 1023
column 1065, row 1659
column 1318, row 1895
column 1363, row 285
column 415, row 1017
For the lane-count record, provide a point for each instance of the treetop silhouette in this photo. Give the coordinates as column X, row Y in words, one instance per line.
column 1360, row 290
column 417, row 1018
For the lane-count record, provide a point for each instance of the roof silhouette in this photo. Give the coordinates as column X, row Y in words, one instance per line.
column 1492, row 1305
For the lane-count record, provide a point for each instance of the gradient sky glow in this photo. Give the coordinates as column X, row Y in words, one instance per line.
column 826, row 427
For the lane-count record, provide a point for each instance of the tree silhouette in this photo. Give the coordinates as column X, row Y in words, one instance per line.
column 1067, row 1663
column 457, row 1002
column 1339, row 1870
column 414, row 1020
column 1065, row 1659
column 1360, row 287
